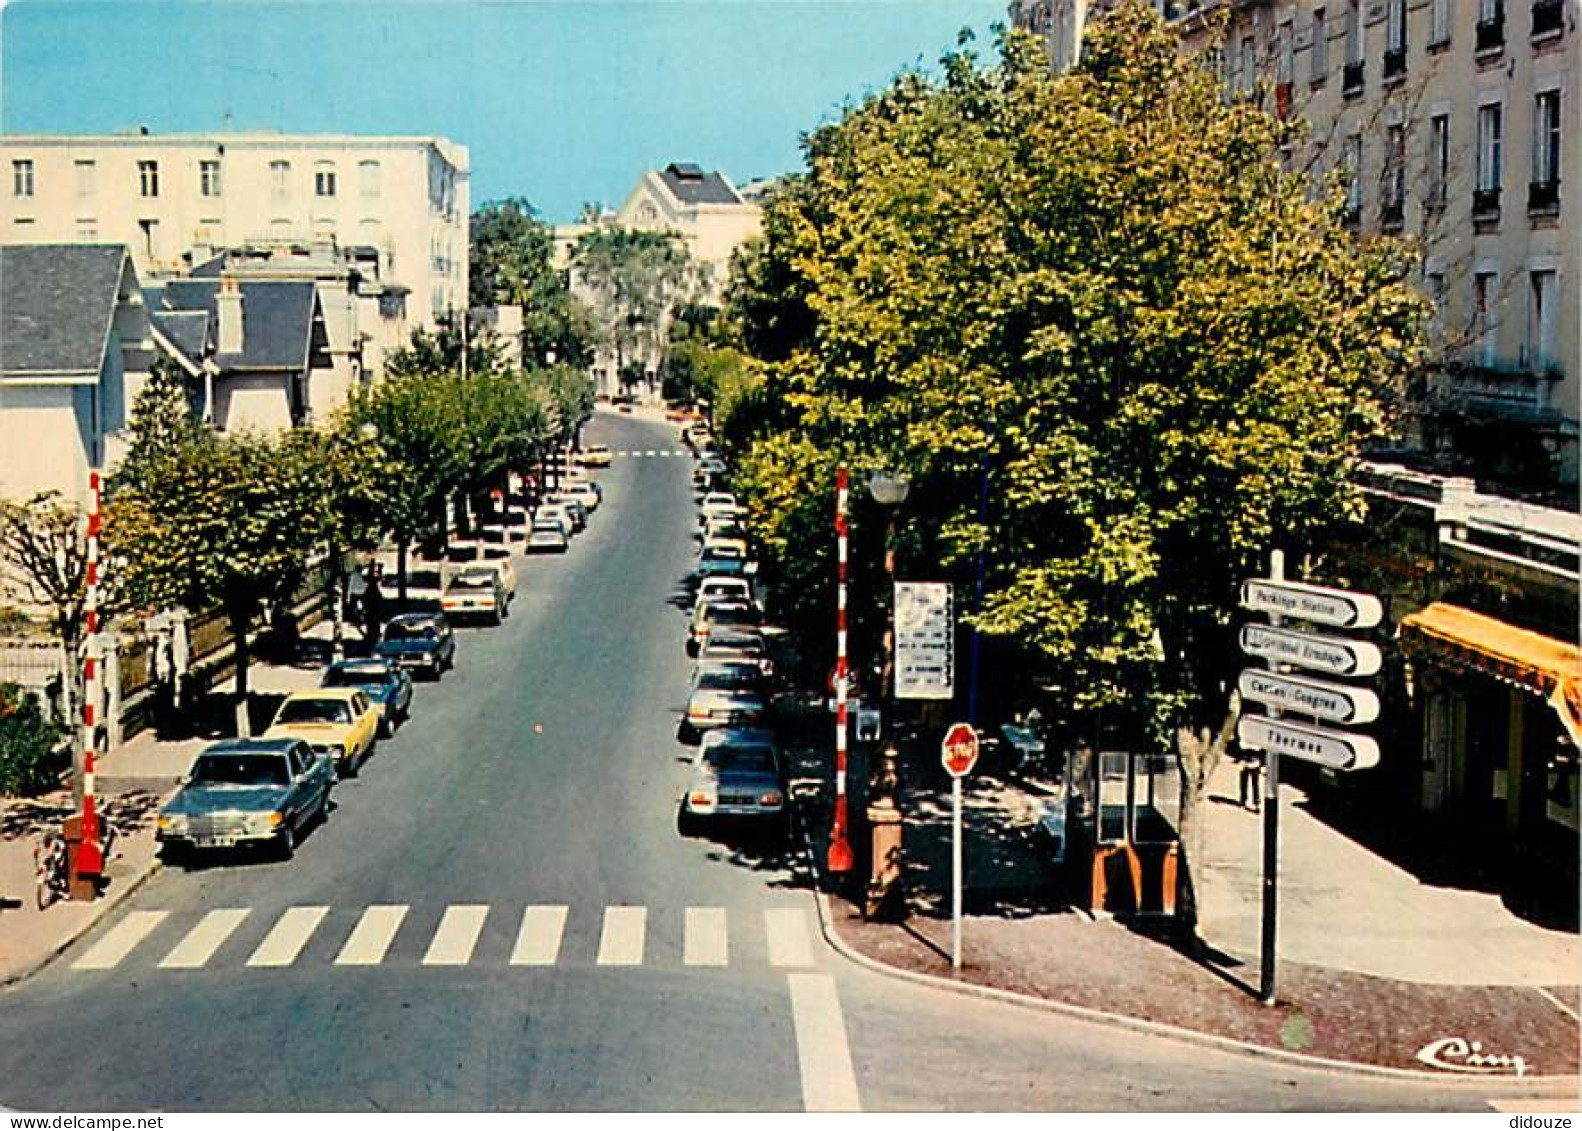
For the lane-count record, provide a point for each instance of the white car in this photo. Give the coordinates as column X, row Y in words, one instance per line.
column 596, row 455
column 546, row 538
column 549, row 514
column 585, row 493
column 723, row 588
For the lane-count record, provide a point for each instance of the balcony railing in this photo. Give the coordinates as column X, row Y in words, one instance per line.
column 1394, row 64
column 1351, row 79
column 1491, row 33
column 1486, row 204
column 1548, row 18
column 1544, row 196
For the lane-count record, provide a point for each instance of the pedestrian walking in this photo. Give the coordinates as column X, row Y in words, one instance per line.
column 373, row 608
column 1251, row 780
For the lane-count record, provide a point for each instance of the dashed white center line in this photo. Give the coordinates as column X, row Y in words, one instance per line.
column 118, row 943
column 202, row 941
column 372, row 936
column 829, row 1083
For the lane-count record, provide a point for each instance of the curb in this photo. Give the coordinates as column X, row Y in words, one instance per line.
column 1137, row 1024
column 109, row 904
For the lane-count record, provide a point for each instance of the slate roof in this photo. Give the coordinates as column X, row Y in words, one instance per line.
column 57, row 304
column 277, row 319
column 187, row 330
column 689, row 184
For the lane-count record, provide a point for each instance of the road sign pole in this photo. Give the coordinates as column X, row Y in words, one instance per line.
column 956, row 873
column 1271, row 830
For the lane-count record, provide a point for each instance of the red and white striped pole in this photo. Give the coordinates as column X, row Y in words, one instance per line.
column 840, row 857
column 90, row 856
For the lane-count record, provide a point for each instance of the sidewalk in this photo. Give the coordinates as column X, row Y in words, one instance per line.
column 133, row 781
column 1374, row 964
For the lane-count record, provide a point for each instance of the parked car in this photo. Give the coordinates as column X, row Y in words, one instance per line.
column 727, row 612
column 481, row 553
column 737, row 774
column 420, row 642
column 507, row 527
column 585, row 493
column 737, row 644
column 573, row 507
column 596, row 455
column 547, row 538
column 248, row 791
column 384, row 683
column 558, row 515
column 722, row 695
column 342, row 722
column 477, row 591
column 720, row 561
column 712, row 588
column 425, row 586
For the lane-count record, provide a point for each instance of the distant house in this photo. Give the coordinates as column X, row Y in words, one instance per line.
column 75, row 347
column 256, row 346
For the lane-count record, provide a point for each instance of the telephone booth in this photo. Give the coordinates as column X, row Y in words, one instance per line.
column 1122, row 817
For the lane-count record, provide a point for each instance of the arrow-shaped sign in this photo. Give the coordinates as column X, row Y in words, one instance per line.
column 1329, row 654
column 1332, row 748
column 1340, row 608
column 1333, row 702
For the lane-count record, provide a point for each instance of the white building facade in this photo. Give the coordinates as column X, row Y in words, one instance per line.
column 173, row 199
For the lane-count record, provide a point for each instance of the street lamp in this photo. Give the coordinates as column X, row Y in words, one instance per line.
column 884, row 813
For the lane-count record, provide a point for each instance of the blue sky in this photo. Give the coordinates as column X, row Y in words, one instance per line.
column 563, row 101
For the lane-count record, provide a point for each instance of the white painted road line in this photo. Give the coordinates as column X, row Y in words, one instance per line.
column 457, row 935
column 788, row 938
column 538, row 942
column 288, row 936
column 372, row 936
column 202, row 941
column 829, row 1083
column 650, row 452
column 622, row 941
column 118, row 943
column 706, row 943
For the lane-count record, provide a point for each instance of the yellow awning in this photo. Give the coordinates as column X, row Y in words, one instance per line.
column 1541, row 664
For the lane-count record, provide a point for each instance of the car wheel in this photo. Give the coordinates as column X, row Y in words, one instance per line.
column 349, row 768
column 369, row 751
column 286, row 845
column 386, row 726
column 686, row 821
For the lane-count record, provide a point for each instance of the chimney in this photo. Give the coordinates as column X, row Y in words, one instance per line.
column 228, row 308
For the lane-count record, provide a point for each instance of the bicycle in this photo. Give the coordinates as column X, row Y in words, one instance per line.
column 49, row 868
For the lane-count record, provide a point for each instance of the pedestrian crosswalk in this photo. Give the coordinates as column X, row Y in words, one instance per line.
column 457, row 935
column 652, row 453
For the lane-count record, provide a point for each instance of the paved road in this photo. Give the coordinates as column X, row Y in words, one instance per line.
column 501, row 915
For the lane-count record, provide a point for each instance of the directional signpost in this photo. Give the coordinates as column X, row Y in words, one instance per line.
column 958, row 753
column 1279, row 691
column 925, row 640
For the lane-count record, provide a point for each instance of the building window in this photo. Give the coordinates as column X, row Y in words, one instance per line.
column 87, row 178
column 1318, row 62
column 148, row 178
column 1438, row 160
column 1542, row 303
column 368, row 176
column 209, row 178
column 1392, row 206
column 280, row 179
column 1438, row 22
column 22, row 178
column 324, row 179
column 1434, row 284
column 1394, row 40
column 1353, row 31
column 1548, row 18
column 1544, row 193
column 1351, row 161
column 1247, row 65
column 1486, row 200
column 1484, row 324
column 87, row 230
column 1491, row 26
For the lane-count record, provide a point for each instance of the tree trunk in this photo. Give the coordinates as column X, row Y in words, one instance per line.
column 1198, row 754
column 72, row 699
column 401, row 551
column 336, row 575
column 240, row 621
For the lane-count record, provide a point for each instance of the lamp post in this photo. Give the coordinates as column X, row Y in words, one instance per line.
column 367, row 435
column 884, row 812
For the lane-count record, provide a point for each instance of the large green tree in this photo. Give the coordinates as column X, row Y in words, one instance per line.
column 636, row 279
column 512, row 262
column 1101, row 293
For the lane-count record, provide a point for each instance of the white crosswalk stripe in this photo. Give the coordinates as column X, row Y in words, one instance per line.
column 107, row 953
column 288, row 936
column 622, row 941
column 705, row 942
column 457, row 935
column 457, row 938
column 538, row 942
column 372, row 936
column 202, row 941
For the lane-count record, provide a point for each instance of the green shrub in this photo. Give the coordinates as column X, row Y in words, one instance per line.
column 27, row 743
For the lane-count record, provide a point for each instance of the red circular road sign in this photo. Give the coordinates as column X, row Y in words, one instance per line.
column 959, row 751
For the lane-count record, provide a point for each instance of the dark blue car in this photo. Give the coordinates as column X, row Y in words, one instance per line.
column 386, row 683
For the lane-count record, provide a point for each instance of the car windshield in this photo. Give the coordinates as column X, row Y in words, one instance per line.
column 358, row 677
column 421, row 630
column 479, row 580
column 723, row 553
column 739, row 615
column 240, row 769
column 314, row 711
column 743, row 759
column 736, row 641
column 727, row 679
